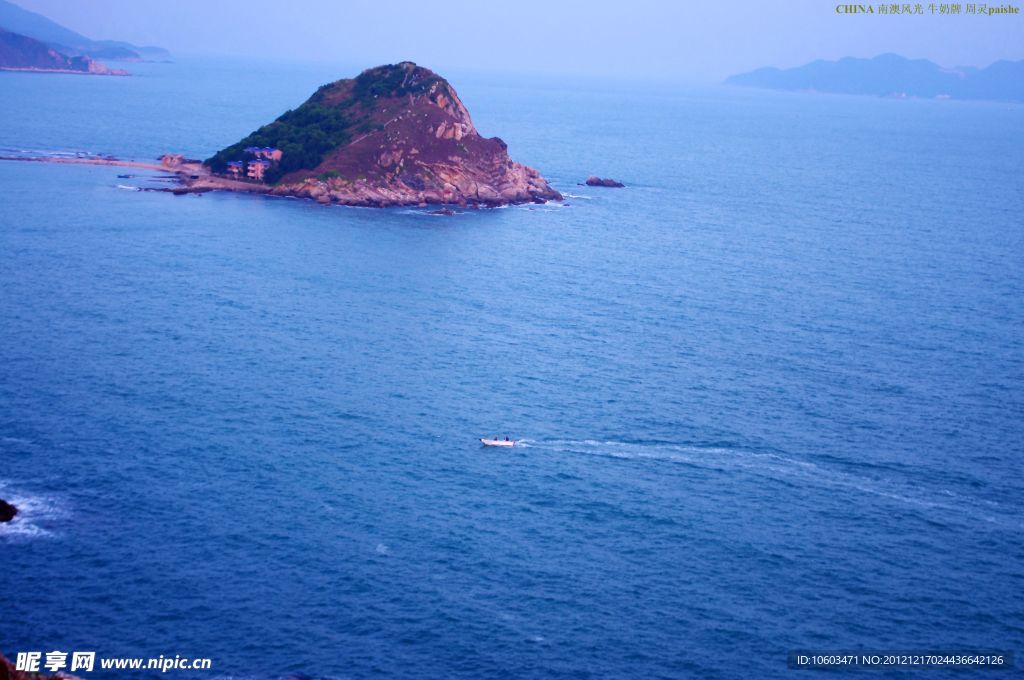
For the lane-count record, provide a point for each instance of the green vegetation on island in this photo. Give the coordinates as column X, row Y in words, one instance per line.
column 386, row 81
column 305, row 135
column 394, row 135
column 324, row 122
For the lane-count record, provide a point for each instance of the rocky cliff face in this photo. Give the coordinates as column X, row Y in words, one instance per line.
column 395, row 135
column 19, row 52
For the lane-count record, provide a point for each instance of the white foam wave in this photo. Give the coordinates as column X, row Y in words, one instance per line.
column 58, row 154
column 36, row 515
column 126, row 187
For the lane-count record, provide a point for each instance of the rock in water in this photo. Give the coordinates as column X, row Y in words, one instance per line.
column 395, row 135
column 595, row 181
column 7, row 511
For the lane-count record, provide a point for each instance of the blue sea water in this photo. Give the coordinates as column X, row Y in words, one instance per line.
column 771, row 395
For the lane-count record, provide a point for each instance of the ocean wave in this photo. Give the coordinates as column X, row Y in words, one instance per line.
column 46, row 153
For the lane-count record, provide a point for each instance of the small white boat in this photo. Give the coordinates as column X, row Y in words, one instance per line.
column 497, row 442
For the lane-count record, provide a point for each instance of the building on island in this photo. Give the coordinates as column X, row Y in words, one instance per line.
column 172, row 160
column 257, row 168
column 267, row 152
column 262, row 158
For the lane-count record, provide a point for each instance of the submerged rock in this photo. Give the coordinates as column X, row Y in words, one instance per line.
column 595, row 181
column 7, row 511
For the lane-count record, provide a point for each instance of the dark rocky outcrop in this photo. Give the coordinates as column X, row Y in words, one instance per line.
column 7, row 511
column 595, row 181
column 394, row 135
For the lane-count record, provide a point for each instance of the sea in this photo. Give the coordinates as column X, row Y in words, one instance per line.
column 769, row 397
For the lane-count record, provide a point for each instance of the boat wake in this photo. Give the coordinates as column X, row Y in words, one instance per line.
column 892, row 485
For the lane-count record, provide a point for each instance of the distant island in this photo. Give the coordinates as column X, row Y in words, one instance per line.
column 68, row 43
column 22, row 53
column 890, row 75
column 394, row 135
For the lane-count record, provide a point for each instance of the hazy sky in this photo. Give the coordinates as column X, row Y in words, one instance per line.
column 691, row 41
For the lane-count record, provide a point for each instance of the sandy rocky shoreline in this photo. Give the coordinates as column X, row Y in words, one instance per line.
column 192, row 177
column 95, row 69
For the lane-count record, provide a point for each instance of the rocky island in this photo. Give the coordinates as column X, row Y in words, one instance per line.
column 595, row 181
column 396, row 135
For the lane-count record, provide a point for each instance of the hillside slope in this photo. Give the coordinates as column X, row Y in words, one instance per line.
column 394, row 135
column 19, row 20
column 21, row 53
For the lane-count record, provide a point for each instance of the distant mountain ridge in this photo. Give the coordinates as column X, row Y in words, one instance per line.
column 22, row 53
column 19, row 20
column 893, row 75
